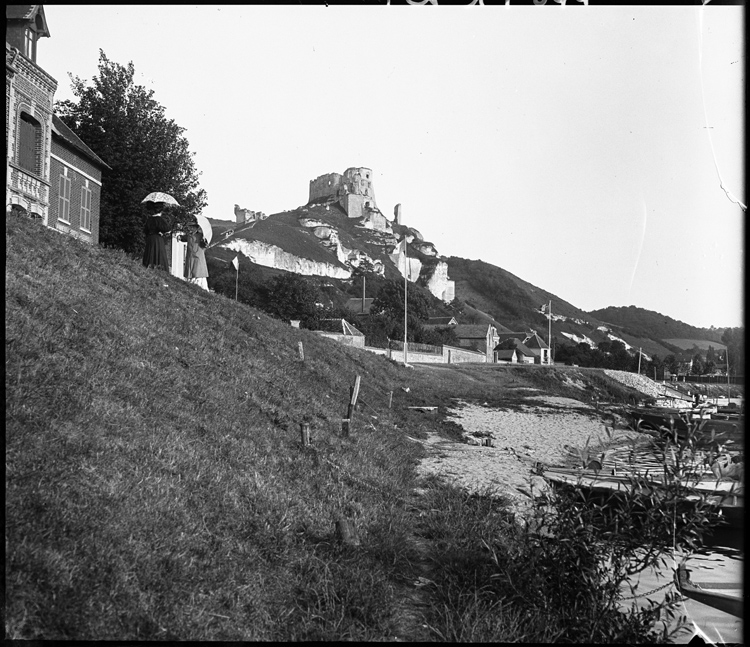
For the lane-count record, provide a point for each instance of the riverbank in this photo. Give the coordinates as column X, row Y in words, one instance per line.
column 545, row 429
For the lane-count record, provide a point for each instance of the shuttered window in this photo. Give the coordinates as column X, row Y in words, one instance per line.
column 63, row 211
column 29, row 143
column 86, row 206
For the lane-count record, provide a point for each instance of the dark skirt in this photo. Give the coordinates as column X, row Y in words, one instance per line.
column 155, row 254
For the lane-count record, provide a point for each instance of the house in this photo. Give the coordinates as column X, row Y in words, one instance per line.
column 342, row 331
column 480, row 337
column 532, row 343
column 50, row 173
column 510, row 347
column 76, row 184
column 506, row 356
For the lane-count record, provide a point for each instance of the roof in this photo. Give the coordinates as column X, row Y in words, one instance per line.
column 471, row 331
column 535, row 341
column 66, row 134
column 505, row 354
column 28, row 12
column 517, row 344
column 442, row 321
column 339, row 326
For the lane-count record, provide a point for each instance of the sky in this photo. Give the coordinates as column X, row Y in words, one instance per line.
column 581, row 148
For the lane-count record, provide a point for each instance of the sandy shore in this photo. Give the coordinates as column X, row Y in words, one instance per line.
column 546, row 430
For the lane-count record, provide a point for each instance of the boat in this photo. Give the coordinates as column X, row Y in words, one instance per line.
column 726, row 495
column 680, row 421
column 725, row 596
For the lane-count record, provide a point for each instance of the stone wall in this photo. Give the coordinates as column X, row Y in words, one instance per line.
column 324, row 186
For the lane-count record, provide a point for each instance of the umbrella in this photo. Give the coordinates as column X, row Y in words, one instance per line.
column 206, row 227
column 158, row 196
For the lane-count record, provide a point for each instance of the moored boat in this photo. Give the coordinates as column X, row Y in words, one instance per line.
column 725, row 596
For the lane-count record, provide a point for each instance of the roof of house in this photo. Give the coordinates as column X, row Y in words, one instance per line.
column 339, row 326
column 535, row 341
column 442, row 321
column 471, row 331
column 505, row 354
column 517, row 344
column 66, row 134
column 28, row 12
column 355, row 304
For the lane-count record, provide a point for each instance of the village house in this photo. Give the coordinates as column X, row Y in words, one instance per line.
column 50, row 173
column 531, row 343
column 513, row 351
column 480, row 337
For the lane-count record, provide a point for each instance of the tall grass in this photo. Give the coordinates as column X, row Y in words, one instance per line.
column 157, row 488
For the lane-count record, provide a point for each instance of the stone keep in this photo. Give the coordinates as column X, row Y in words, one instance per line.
column 353, row 190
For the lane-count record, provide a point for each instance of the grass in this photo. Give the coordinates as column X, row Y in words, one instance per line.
column 157, row 488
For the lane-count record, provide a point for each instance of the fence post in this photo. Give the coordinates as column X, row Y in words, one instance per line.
column 390, row 399
column 304, row 429
column 301, row 352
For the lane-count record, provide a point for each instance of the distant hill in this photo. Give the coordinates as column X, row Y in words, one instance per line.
column 654, row 325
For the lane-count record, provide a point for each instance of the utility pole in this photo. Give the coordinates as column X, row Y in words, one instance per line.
column 639, row 360
column 549, row 333
column 406, row 279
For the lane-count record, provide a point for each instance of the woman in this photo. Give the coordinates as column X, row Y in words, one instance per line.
column 196, row 270
column 155, row 254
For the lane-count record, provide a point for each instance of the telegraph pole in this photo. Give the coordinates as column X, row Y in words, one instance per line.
column 406, row 279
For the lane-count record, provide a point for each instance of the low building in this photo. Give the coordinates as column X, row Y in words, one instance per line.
column 532, row 343
column 523, row 354
column 480, row 337
column 342, row 331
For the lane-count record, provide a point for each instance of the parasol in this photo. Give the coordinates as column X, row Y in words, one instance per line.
column 206, row 227
column 158, row 196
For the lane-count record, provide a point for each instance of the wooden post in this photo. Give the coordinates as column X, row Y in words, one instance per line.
column 301, row 352
column 390, row 399
column 305, row 433
column 353, row 394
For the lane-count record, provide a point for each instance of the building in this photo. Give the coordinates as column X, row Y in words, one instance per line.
column 50, row 172
column 29, row 93
column 76, row 184
column 480, row 337
column 342, row 331
column 532, row 343
column 513, row 350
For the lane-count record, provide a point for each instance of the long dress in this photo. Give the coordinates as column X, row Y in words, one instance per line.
column 155, row 254
column 196, row 269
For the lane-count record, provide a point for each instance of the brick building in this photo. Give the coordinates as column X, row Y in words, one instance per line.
column 76, row 184
column 50, row 172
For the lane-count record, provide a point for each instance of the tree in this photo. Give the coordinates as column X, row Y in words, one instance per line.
column 697, row 368
column 389, row 302
column 291, row 296
column 128, row 129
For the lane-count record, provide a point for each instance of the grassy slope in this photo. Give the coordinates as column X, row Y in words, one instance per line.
column 155, row 483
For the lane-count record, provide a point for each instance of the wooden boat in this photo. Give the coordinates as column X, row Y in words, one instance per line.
column 727, row 597
column 727, row 495
column 664, row 419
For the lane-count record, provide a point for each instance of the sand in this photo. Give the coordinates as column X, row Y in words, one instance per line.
column 545, row 430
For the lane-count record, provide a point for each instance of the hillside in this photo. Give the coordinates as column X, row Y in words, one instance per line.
column 157, row 487
column 319, row 240
column 647, row 323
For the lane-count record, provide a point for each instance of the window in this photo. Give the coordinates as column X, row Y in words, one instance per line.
column 29, row 143
column 63, row 210
column 86, row 206
column 29, row 43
